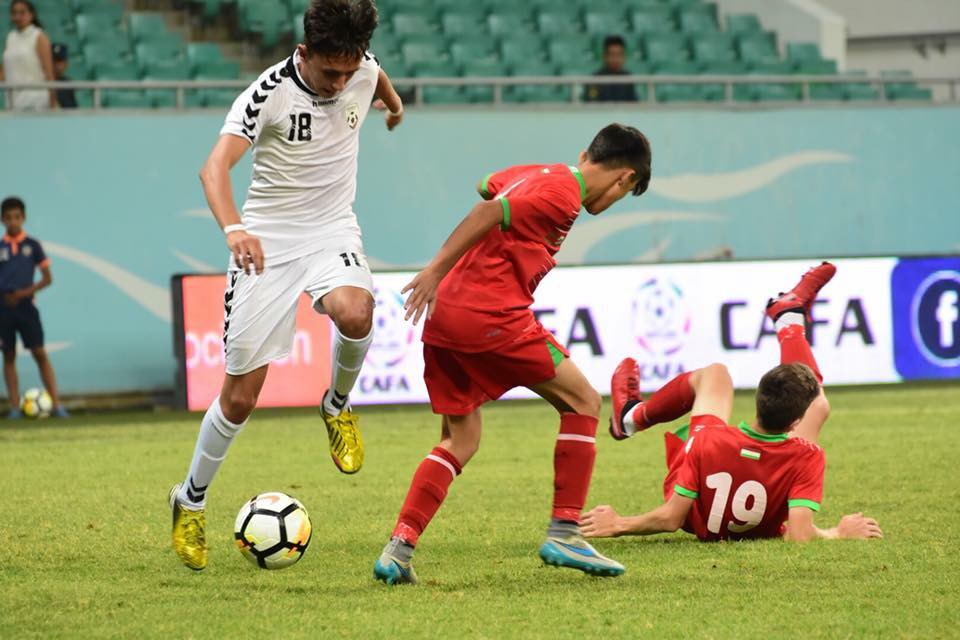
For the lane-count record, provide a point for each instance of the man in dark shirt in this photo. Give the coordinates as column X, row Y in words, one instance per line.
column 66, row 98
column 614, row 57
column 20, row 257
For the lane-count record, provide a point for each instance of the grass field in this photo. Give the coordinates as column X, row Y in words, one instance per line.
column 85, row 535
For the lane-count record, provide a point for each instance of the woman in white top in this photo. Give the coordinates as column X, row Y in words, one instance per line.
column 28, row 58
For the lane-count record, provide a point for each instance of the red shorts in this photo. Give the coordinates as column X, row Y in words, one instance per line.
column 674, row 448
column 459, row 382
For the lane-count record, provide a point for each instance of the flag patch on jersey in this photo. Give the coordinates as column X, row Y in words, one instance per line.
column 749, row 453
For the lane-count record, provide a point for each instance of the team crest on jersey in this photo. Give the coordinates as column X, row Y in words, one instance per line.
column 27, row 251
column 352, row 114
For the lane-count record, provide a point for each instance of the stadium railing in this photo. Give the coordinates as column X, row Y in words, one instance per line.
column 574, row 84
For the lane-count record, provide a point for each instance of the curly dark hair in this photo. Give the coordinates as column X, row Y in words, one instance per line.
column 340, row 28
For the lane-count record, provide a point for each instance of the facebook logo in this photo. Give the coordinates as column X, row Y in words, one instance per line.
column 926, row 318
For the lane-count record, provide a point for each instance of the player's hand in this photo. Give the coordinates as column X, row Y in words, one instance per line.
column 600, row 522
column 856, row 525
column 423, row 294
column 393, row 119
column 246, row 251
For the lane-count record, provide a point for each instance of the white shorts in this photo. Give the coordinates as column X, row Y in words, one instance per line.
column 261, row 310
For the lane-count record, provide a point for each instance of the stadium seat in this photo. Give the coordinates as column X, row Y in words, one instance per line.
column 697, row 22
column 859, row 90
column 715, row 47
column 217, row 69
column 298, row 8
column 903, row 88
column 798, row 51
column 485, row 69
column 461, row 23
column 267, row 18
column 384, row 42
column 91, row 28
column 535, row 93
column 439, row 94
column 815, row 67
column 407, row 25
column 684, row 92
column 148, row 52
column 557, row 21
column 122, row 98
column 603, row 23
column 106, row 51
column 758, row 47
column 164, row 71
column 654, row 20
column 723, row 67
column 465, row 49
column 111, row 12
column 743, row 23
column 412, row 6
column 146, row 26
column 208, row 8
column 81, row 6
column 769, row 92
column 424, row 49
column 573, row 49
column 516, row 51
column 199, row 52
column 666, row 48
column 517, row 23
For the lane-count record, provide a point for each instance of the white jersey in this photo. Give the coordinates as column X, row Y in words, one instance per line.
column 22, row 64
column 305, row 151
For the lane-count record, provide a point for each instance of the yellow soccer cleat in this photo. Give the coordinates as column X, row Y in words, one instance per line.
column 346, row 443
column 189, row 533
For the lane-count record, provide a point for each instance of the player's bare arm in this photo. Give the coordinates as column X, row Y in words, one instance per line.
column 215, row 176
column 801, row 528
column 389, row 99
column 605, row 522
column 423, row 288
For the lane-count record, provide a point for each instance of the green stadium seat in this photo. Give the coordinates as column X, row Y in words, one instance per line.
column 299, row 31
column 267, row 18
column 666, row 48
column 767, row 92
column 81, row 6
column 859, row 90
column 758, row 48
column 815, row 67
column 668, row 92
column 516, row 23
column 217, row 69
column 220, row 98
column 159, row 71
column 558, row 22
column 535, row 93
column 466, row 49
column 201, row 52
column 406, row 25
column 424, row 49
column 903, row 87
column 439, row 95
column 148, row 52
column 518, row 50
column 461, row 23
column 384, row 42
column 654, row 20
column 696, row 21
column 743, row 23
column 298, row 8
column 208, row 8
column 91, row 28
column 798, row 51
column 573, row 49
column 123, row 98
column 604, row 23
column 412, row 6
column 484, row 69
column 111, row 12
column 79, row 70
column 717, row 47
column 392, row 63
column 106, row 51
column 582, row 67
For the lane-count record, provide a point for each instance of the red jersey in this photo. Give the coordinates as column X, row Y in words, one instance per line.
column 744, row 482
column 484, row 302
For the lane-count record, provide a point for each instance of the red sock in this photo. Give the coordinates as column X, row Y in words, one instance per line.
column 426, row 494
column 673, row 400
column 795, row 348
column 573, row 459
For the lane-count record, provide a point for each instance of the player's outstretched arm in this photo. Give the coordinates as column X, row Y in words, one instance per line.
column 423, row 288
column 215, row 176
column 800, row 527
column 390, row 99
column 605, row 522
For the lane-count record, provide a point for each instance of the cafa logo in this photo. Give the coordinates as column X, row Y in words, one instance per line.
column 661, row 320
column 352, row 114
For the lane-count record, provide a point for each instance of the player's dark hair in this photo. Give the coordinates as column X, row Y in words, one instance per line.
column 32, row 9
column 11, row 203
column 618, row 146
column 340, row 28
column 784, row 394
column 613, row 41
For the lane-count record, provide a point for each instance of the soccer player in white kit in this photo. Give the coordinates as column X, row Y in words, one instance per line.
column 298, row 233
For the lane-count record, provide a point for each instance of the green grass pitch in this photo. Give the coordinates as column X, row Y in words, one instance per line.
column 85, row 551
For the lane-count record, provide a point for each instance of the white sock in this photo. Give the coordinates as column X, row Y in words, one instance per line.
column 216, row 434
column 787, row 319
column 628, row 424
column 348, row 355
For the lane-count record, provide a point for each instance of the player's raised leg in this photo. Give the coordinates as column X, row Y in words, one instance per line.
column 225, row 418
column 706, row 391
column 788, row 312
column 351, row 309
column 460, row 439
column 574, row 453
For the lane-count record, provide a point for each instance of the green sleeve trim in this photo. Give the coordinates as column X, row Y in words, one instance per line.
column 485, row 186
column 683, row 432
column 686, row 493
column 555, row 354
column 583, row 185
column 809, row 504
column 506, row 214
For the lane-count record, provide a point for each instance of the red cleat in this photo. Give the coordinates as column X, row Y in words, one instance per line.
column 802, row 296
column 624, row 390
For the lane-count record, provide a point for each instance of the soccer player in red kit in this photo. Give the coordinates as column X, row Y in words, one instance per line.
column 481, row 339
column 739, row 482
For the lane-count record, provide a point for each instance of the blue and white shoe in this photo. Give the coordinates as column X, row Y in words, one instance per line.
column 391, row 570
column 576, row 553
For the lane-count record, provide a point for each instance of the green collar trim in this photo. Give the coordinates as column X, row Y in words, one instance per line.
column 583, row 186
column 762, row 437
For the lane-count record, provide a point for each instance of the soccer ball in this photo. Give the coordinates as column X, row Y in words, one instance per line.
column 273, row 530
column 36, row 403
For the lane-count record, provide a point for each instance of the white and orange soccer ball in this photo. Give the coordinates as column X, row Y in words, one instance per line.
column 36, row 403
column 273, row 530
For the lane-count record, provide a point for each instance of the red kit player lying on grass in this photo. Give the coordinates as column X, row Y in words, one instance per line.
column 724, row 482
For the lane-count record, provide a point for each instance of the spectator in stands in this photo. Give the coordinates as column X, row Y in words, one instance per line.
column 614, row 57
column 20, row 257
column 28, row 58
column 66, row 98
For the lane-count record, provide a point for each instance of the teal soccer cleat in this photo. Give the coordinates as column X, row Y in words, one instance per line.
column 576, row 553
column 391, row 570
